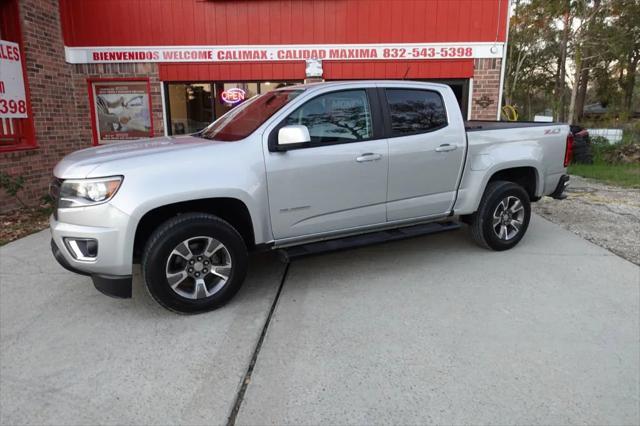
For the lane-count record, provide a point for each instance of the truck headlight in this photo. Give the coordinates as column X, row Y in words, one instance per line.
column 88, row 192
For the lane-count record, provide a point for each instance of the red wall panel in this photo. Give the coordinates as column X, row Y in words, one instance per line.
column 333, row 70
column 219, row 22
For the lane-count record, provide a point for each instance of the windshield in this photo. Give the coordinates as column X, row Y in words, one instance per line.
column 243, row 120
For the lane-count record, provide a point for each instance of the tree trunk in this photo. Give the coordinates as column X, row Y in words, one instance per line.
column 630, row 84
column 582, row 92
column 562, row 62
column 576, row 82
column 587, row 63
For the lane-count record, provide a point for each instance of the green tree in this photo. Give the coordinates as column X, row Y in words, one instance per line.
column 624, row 42
column 561, row 52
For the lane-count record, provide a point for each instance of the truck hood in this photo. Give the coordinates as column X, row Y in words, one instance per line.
column 80, row 164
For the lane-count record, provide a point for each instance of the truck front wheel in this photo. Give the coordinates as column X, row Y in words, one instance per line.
column 502, row 217
column 194, row 262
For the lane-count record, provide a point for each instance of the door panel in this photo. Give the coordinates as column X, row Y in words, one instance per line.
column 324, row 189
column 336, row 181
column 425, row 155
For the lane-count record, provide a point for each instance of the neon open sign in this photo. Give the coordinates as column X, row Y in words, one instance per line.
column 233, row 96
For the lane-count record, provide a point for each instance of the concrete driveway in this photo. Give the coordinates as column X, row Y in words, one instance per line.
column 428, row 330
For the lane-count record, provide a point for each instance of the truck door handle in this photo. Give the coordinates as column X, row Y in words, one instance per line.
column 368, row 156
column 445, row 147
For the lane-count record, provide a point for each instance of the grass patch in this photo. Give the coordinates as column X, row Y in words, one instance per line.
column 627, row 175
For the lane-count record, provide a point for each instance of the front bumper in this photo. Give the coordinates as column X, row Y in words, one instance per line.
column 111, row 269
column 111, row 285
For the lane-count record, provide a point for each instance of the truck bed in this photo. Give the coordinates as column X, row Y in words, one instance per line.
column 480, row 125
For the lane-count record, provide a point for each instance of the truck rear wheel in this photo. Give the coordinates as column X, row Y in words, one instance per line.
column 194, row 263
column 502, row 217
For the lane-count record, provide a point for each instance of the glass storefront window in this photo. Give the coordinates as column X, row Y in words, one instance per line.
column 229, row 95
column 193, row 106
column 190, row 107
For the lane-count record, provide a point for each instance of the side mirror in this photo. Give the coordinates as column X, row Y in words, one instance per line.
column 293, row 136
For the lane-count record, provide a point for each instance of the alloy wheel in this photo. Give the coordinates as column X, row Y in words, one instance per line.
column 198, row 267
column 508, row 218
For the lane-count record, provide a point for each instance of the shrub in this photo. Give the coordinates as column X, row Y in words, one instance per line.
column 12, row 185
column 600, row 147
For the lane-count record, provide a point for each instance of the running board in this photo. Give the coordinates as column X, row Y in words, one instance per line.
column 291, row 253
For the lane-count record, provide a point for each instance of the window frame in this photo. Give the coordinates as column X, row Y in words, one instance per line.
column 387, row 111
column 377, row 125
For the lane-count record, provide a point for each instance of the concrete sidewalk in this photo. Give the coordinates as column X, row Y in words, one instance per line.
column 437, row 330
column 70, row 355
column 429, row 330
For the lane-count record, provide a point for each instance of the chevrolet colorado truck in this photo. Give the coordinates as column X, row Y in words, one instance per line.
column 301, row 169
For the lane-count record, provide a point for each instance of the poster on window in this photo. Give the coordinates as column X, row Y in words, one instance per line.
column 13, row 101
column 122, row 110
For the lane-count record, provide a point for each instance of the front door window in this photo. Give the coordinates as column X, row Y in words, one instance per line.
column 335, row 117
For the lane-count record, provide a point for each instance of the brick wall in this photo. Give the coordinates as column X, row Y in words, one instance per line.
column 59, row 99
column 486, row 84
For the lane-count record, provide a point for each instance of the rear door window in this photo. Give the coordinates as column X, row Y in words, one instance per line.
column 415, row 111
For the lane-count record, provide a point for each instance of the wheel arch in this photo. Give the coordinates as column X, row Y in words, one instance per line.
column 527, row 177
column 525, row 173
column 232, row 210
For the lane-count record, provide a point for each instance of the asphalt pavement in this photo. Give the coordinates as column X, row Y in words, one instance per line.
column 427, row 330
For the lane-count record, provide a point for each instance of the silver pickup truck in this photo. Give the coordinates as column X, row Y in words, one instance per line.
column 301, row 169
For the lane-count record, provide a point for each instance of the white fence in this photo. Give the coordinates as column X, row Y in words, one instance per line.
column 612, row 135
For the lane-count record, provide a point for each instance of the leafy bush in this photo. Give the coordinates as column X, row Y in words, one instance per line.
column 600, row 147
column 12, row 185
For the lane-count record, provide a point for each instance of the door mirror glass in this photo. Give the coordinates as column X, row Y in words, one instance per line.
column 290, row 135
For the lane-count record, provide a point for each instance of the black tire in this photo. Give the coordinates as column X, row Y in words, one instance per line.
column 168, row 236
column 481, row 224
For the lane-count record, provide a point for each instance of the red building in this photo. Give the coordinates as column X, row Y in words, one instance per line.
column 94, row 71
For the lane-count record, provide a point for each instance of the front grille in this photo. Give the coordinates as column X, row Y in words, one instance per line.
column 54, row 193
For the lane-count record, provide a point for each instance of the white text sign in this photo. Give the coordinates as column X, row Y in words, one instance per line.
column 13, row 102
column 269, row 53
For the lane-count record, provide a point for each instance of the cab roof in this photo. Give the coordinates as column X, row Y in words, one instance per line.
column 323, row 84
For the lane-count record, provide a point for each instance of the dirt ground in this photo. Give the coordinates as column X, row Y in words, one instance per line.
column 606, row 215
column 22, row 222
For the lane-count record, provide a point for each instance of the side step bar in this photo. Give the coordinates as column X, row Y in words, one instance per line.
column 288, row 254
